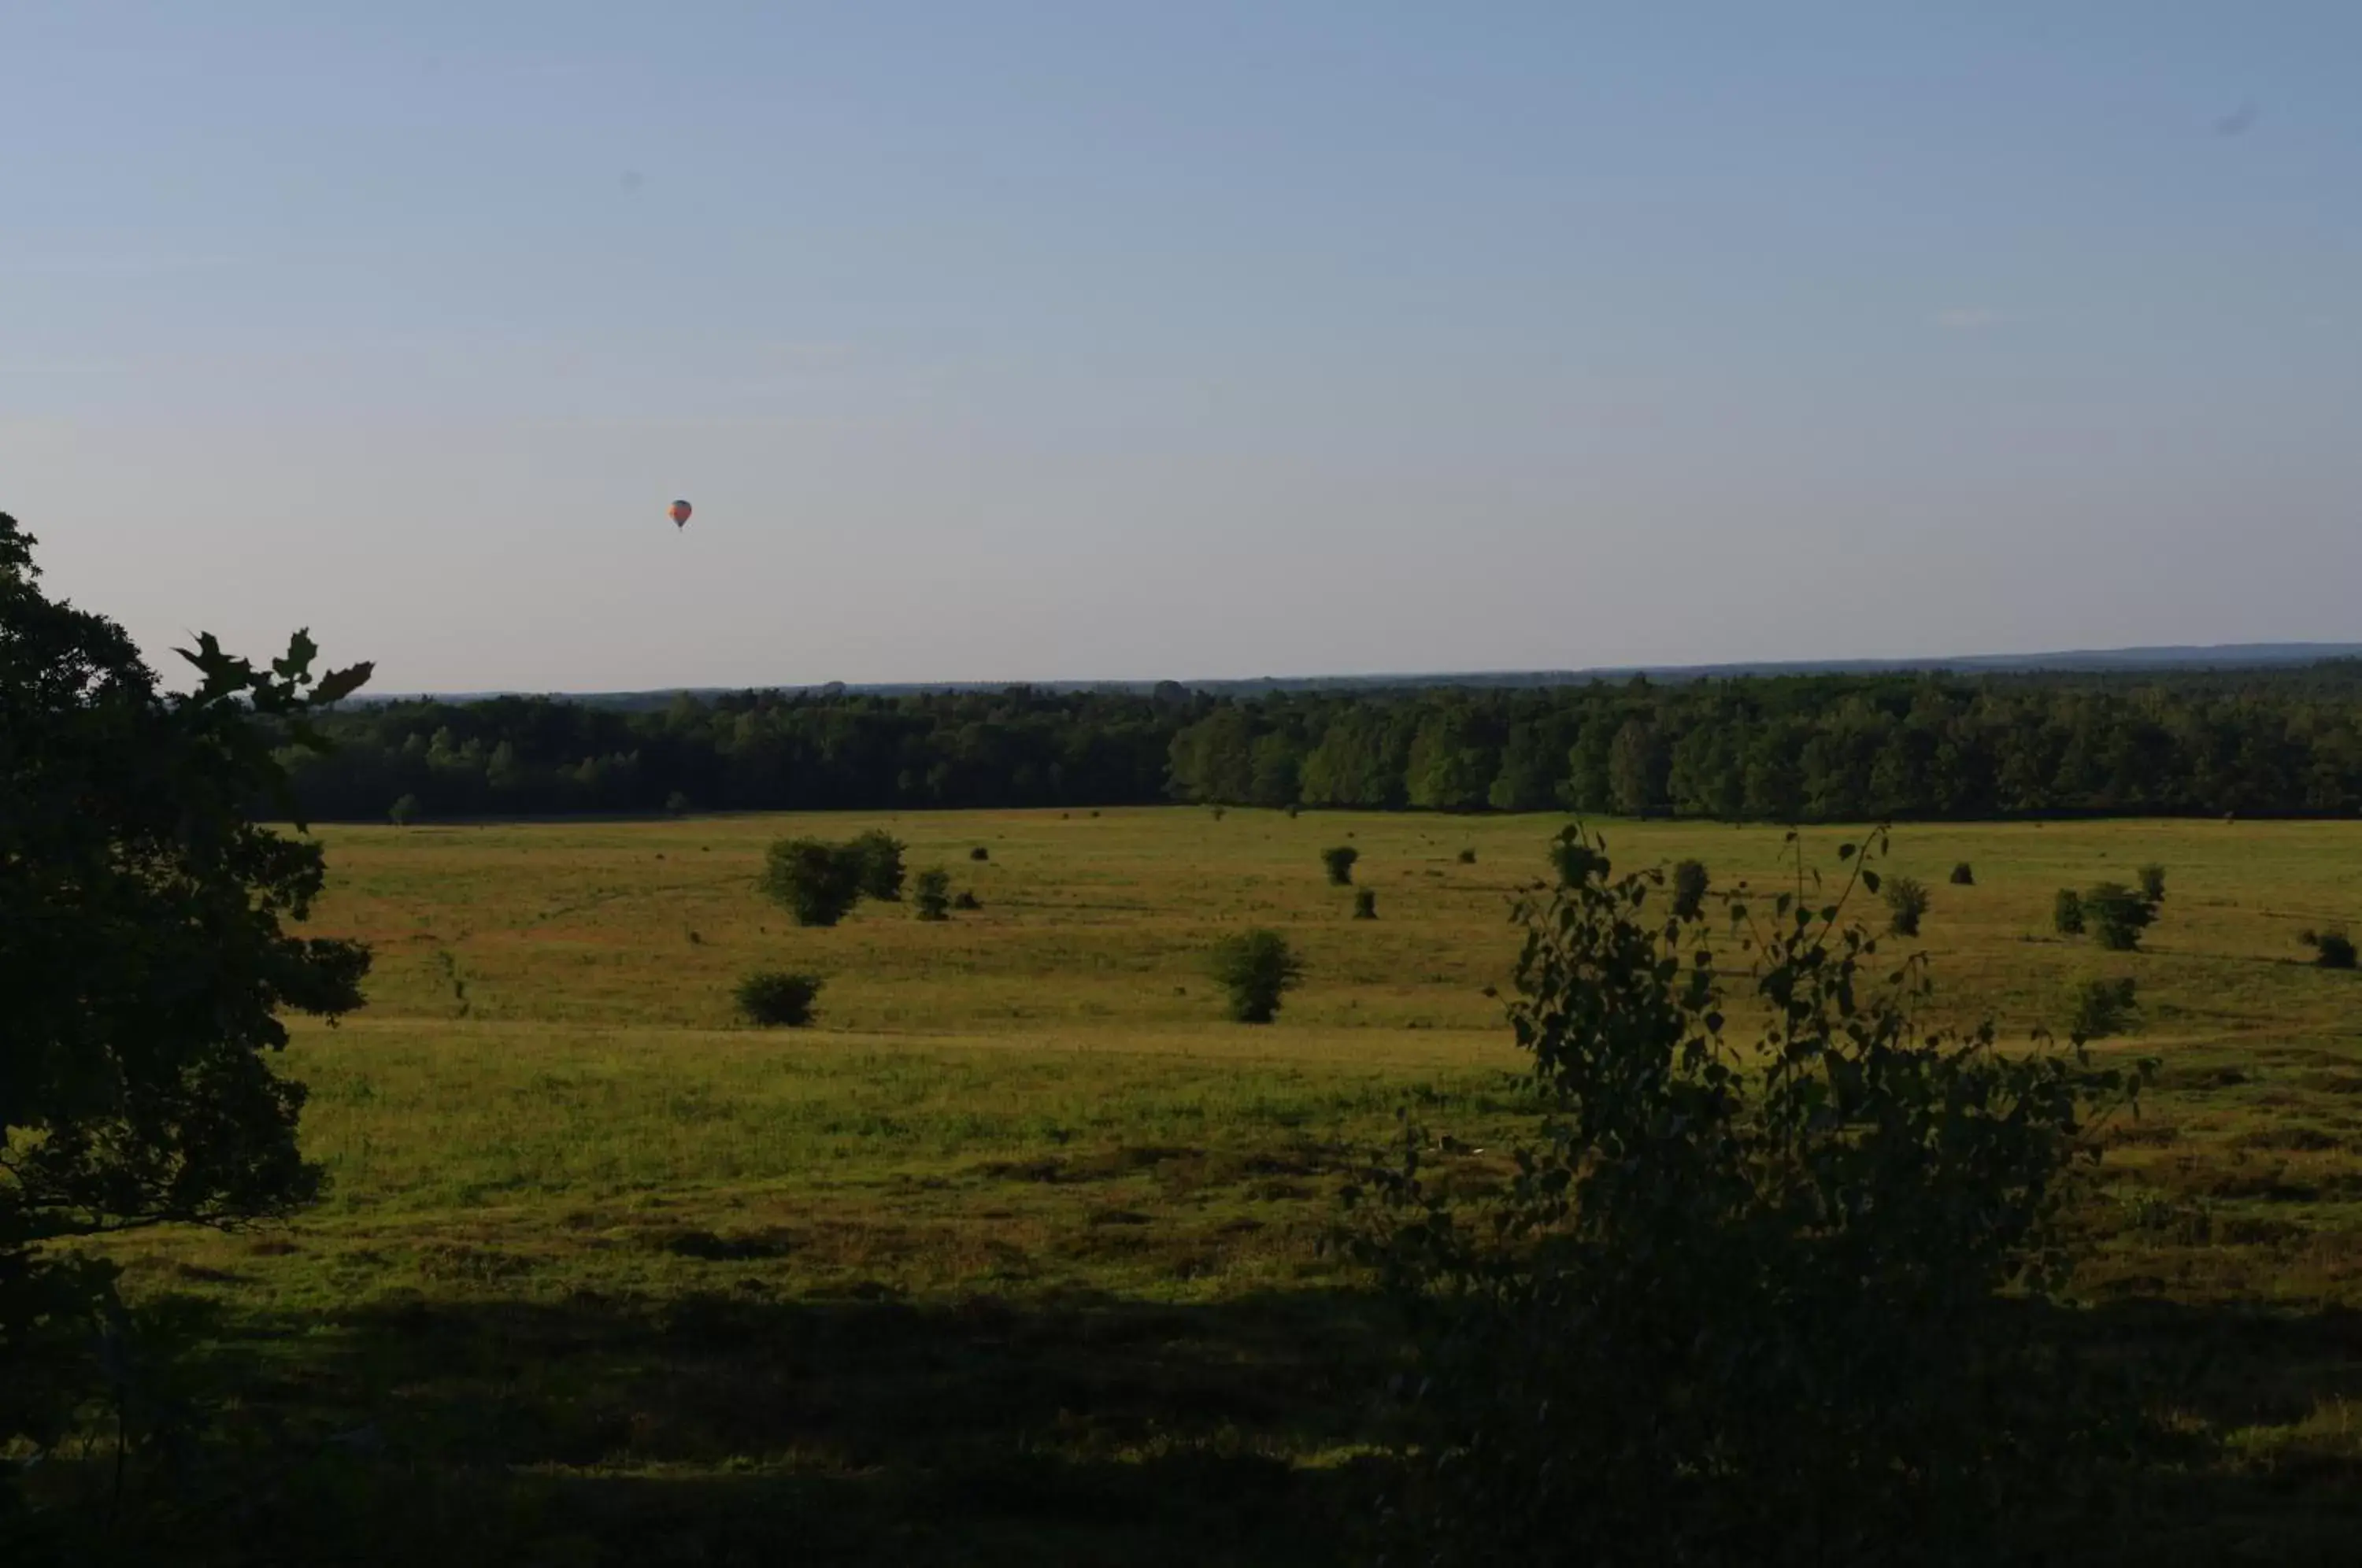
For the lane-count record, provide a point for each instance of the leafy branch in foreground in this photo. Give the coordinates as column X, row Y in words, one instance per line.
column 144, row 966
column 1758, row 1304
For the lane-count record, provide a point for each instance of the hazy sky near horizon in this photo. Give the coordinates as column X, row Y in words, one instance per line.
column 1004, row 341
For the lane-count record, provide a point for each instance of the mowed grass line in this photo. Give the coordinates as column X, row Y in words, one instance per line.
column 585, row 1229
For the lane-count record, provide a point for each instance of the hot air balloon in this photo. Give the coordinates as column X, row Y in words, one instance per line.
column 679, row 515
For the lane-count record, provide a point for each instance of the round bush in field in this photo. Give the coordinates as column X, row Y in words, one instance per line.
column 2116, row 915
column 1339, row 862
column 1256, row 968
column 2067, row 913
column 1467, row 858
column 816, row 883
column 777, row 1000
column 405, row 810
column 1365, row 904
column 2103, row 1008
column 981, row 853
column 966, row 899
column 1963, row 877
column 2332, row 949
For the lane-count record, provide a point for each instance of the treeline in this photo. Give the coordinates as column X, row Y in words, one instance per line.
column 1767, row 748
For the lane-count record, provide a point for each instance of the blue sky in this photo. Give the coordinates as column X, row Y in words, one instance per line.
column 1006, row 341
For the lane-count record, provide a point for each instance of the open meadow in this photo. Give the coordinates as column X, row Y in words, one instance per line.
column 1016, row 1255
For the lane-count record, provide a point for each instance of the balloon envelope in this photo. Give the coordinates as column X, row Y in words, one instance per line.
column 680, row 513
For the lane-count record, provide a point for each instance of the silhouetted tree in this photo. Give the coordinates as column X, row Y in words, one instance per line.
column 145, row 969
column 1338, row 861
column 1693, row 1326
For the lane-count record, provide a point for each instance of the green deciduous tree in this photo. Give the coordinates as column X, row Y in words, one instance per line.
column 817, row 883
column 1736, row 1303
column 877, row 861
column 145, row 967
column 1637, row 769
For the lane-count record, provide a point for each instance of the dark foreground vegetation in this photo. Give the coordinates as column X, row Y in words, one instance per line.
column 1783, row 748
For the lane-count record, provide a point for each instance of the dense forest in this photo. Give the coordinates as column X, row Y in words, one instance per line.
column 1799, row 748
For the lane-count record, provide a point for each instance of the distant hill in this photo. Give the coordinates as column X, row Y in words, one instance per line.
column 2220, row 656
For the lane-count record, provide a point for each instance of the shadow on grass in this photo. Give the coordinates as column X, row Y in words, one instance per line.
column 737, row 1430
column 733, row 1429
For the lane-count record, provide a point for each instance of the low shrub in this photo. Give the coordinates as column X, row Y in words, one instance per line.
column 2102, row 1007
column 1339, row 862
column 1365, row 904
column 776, row 999
column 1257, row 969
column 1906, row 905
column 931, row 896
column 2332, row 949
column 1963, row 875
column 2116, row 915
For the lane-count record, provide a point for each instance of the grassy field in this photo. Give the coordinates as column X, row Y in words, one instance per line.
column 1015, row 1257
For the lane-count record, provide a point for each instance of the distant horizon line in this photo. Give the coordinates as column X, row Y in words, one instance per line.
column 2157, row 657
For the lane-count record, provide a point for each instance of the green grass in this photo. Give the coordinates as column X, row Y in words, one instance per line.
column 1015, row 1256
